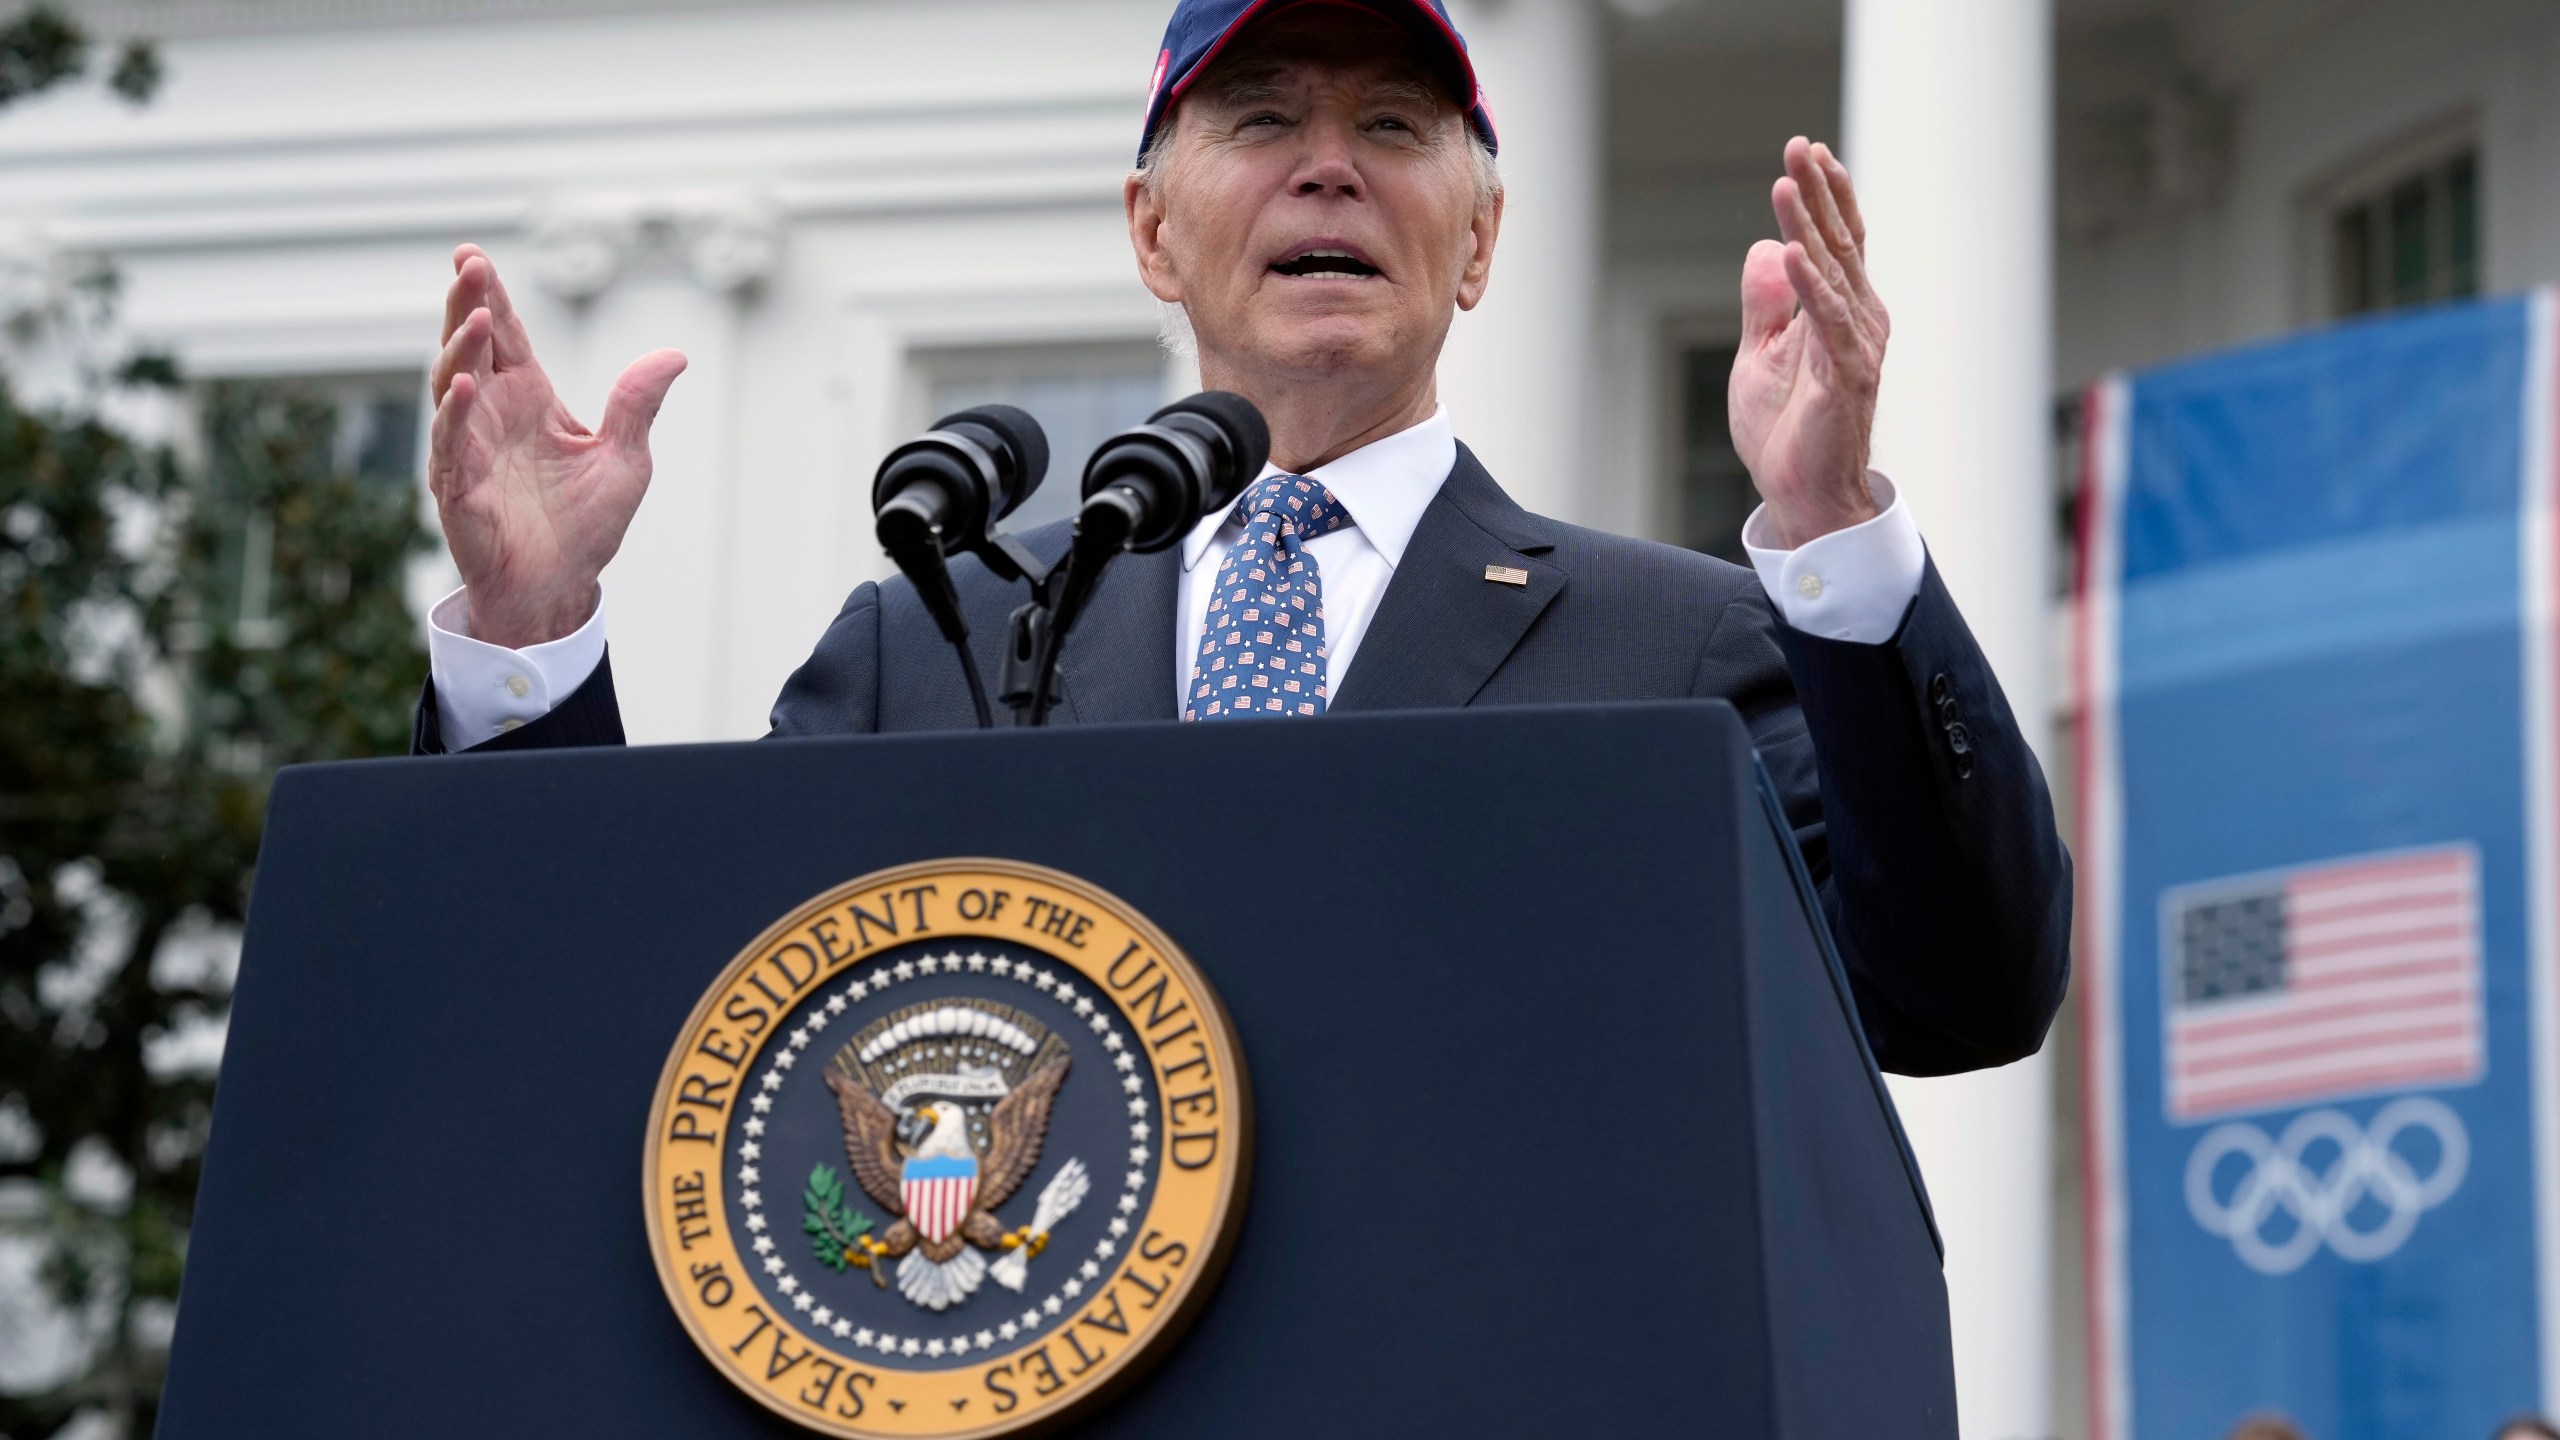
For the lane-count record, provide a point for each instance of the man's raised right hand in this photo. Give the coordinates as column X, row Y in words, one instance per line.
column 533, row 503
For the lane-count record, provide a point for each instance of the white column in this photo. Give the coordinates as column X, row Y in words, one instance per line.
column 668, row 583
column 1949, row 137
column 1516, row 374
column 605, row 282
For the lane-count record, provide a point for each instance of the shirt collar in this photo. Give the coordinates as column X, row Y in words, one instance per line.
column 1385, row 484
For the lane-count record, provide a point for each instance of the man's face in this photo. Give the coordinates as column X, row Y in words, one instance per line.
column 1316, row 209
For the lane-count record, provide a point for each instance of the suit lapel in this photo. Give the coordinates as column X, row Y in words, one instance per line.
column 1442, row 628
column 1118, row 662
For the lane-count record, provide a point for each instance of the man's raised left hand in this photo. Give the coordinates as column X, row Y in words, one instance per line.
column 1803, row 394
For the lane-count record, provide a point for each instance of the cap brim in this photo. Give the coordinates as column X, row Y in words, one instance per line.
column 1420, row 20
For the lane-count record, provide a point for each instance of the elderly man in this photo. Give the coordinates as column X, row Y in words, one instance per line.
column 1315, row 198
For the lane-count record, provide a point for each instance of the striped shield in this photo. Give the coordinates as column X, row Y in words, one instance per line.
column 938, row 1190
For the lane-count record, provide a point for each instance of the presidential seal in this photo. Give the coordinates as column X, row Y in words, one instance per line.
column 953, row 1149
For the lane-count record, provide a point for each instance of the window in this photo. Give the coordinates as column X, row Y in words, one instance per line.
column 362, row 426
column 2407, row 235
column 1711, row 492
column 1080, row 394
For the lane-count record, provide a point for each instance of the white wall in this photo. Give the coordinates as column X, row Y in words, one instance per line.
column 288, row 205
column 1699, row 117
column 928, row 174
column 2329, row 93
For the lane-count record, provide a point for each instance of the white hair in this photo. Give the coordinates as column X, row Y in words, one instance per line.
column 1173, row 323
column 1173, row 332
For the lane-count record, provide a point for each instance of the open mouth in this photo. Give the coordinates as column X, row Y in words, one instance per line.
column 1332, row 264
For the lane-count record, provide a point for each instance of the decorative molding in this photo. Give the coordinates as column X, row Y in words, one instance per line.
column 1024, row 125
column 727, row 245
column 294, row 221
column 360, row 338
column 576, row 256
column 732, row 249
column 187, row 19
column 304, row 218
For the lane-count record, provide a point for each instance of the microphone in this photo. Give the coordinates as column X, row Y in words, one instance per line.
column 936, row 496
column 1144, row 489
column 1147, row 486
column 946, row 486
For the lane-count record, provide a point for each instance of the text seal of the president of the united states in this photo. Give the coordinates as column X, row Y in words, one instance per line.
column 953, row 1149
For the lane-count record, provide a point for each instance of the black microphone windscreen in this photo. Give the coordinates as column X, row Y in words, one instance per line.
column 1021, row 434
column 1243, row 422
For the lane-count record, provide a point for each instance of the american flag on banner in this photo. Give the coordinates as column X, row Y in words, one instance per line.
column 2325, row 980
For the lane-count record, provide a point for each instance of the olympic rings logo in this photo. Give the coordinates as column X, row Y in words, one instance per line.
column 2323, row 1202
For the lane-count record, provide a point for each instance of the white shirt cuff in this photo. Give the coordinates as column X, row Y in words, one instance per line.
column 484, row 690
column 1852, row 584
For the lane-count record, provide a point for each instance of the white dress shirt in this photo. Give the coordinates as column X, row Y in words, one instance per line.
column 1385, row 485
column 485, row 690
column 1852, row 584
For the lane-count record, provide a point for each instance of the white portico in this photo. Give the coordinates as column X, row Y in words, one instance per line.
column 854, row 214
column 848, row 226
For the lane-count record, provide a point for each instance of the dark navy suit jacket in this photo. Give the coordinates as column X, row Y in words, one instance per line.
column 1915, row 799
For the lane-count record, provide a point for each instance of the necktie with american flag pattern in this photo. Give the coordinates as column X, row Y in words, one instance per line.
column 1262, row 649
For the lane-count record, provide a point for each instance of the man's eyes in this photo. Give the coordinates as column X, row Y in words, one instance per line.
column 1397, row 126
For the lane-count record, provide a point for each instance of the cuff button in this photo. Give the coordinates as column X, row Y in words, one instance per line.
column 1960, row 745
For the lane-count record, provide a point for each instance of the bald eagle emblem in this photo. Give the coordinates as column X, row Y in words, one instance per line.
column 945, row 1105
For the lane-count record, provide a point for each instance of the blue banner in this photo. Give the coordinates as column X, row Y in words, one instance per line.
column 2316, row 795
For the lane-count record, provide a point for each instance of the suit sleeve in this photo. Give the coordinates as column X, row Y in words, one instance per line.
column 590, row 716
column 836, row 691
column 1925, row 819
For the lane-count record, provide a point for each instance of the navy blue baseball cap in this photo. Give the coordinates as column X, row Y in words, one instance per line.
column 1200, row 29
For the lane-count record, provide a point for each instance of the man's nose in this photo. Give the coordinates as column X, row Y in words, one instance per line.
column 1327, row 167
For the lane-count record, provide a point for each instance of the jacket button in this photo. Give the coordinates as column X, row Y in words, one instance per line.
column 1960, row 744
column 1940, row 688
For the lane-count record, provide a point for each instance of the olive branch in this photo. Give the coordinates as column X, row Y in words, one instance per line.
column 835, row 1228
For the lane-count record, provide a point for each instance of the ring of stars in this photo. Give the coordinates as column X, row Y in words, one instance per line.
column 881, row 979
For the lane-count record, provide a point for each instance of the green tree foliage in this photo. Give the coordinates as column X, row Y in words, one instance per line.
column 168, row 637
column 40, row 47
column 140, row 721
column 332, row 670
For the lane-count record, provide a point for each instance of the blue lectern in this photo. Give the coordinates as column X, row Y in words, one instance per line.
column 1563, row 1120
